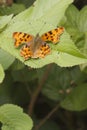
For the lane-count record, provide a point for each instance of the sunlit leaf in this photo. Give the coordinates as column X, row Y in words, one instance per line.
column 12, row 117
column 2, row 74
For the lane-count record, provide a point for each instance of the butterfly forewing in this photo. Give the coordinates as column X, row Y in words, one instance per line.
column 53, row 35
column 21, row 38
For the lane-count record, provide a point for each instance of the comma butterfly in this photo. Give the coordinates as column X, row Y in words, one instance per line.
column 36, row 47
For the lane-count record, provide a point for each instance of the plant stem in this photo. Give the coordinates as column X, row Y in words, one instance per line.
column 47, row 117
column 38, row 89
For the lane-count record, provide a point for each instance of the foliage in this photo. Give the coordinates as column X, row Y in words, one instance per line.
column 14, row 9
column 56, row 84
column 13, row 117
column 1, row 73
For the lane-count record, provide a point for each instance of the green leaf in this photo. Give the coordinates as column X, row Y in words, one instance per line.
column 24, row 75
column 69, row 55
column 13, row 9
column 84, row 48
column 6, row 90
column 2, row 74
column 77, row 99
column 82, row 20
column 78, row 76
column 7, row 60
column 32, row 21
column 17, row 65
column 72, row 14
column 58, row 80
column 13, row 118
column 27, row 3
column 5, row 94
column 71, row 24
column 4, row 20
column 50, row 11
column 76, row 25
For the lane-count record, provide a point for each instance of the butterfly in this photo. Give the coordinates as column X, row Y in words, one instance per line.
column 36, row 46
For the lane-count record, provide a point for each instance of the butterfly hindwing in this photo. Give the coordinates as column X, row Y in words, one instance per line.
column 26, row 52
column 43, row 50
column 21, row 38
column 53, row 35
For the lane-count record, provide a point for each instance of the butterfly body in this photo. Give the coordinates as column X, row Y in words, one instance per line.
column 36, row 46
column 36, row 42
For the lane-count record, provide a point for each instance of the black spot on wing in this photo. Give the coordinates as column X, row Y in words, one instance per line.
column 24, row 35
column 28, row 36
column 50, row 32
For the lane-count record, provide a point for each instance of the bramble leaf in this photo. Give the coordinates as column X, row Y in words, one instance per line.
column 13, row 118
column 38, row 19
column 2, row 74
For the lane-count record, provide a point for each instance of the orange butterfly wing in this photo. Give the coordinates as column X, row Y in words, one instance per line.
column 26, row 52
column 41, row 52
column 53, row 35
column 21, row 38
